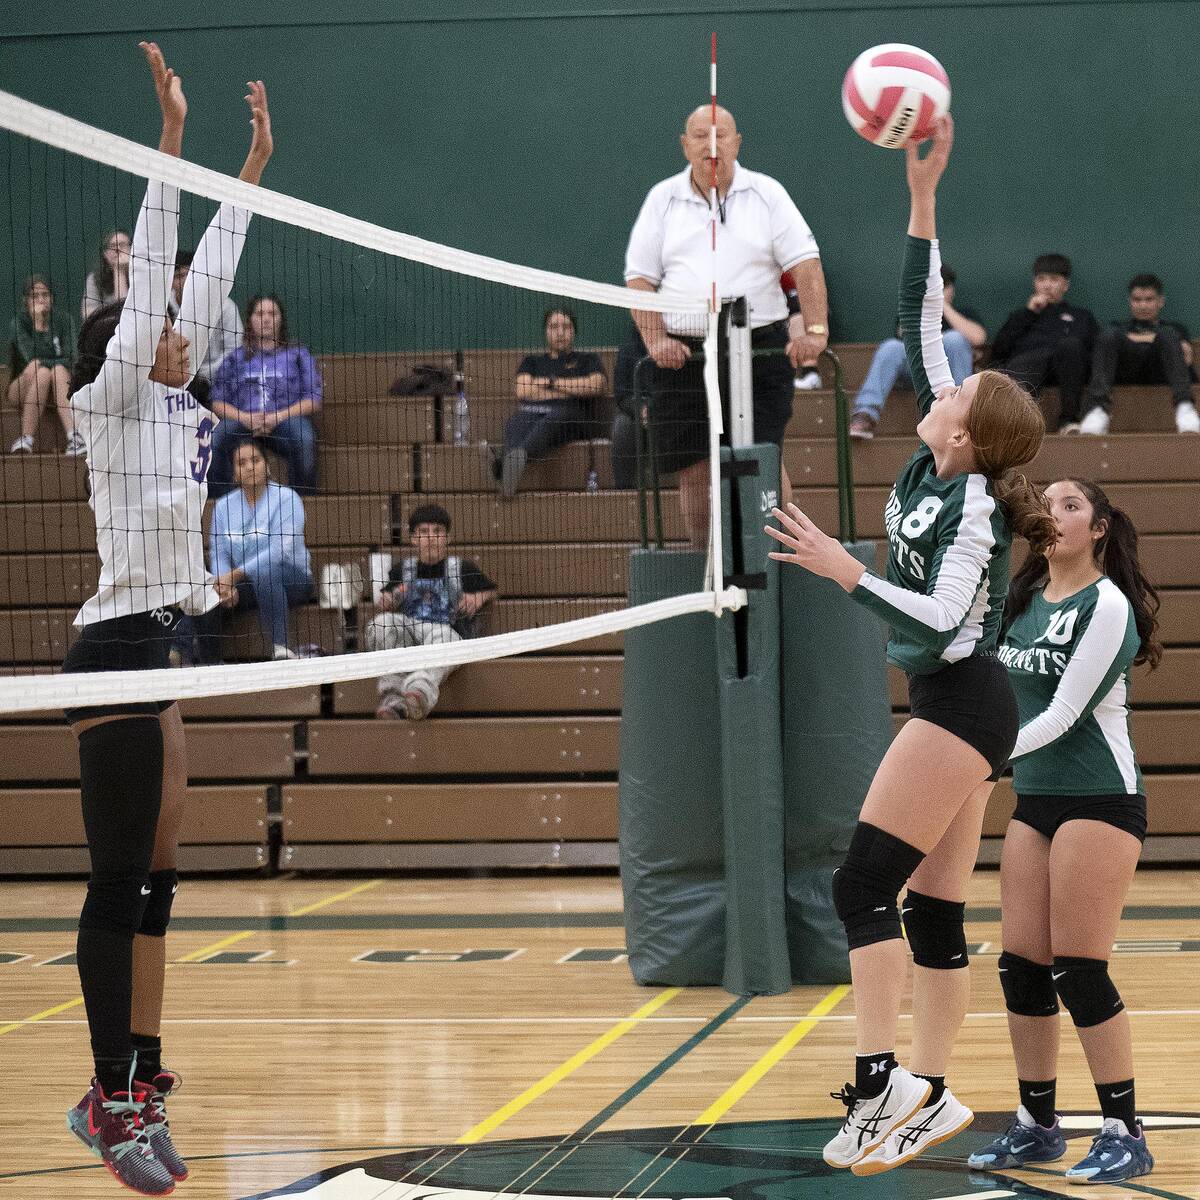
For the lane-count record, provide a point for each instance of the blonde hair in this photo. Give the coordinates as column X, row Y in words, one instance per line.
column 1006, row 428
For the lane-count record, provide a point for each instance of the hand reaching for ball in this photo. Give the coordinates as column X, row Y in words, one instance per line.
column 924, row 173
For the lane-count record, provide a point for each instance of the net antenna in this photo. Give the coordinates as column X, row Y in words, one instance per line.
column 34, row 689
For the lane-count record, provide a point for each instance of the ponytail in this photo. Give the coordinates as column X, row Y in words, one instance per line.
column 1028, row 512
column 1119, row 561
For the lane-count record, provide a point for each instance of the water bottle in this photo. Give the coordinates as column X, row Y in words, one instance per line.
column 460, row 416
column 593, row 480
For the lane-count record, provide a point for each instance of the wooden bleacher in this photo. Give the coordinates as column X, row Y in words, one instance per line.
column 518, row 763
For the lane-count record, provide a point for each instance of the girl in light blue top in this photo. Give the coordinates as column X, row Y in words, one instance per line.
column 258, row 555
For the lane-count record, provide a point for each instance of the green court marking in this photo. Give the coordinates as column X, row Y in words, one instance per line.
column 551, row 920
column 1133, row 1187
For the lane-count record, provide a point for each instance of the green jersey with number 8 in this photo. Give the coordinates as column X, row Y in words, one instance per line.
column 948, row 539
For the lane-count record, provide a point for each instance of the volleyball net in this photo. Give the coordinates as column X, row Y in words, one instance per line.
column 415, row 456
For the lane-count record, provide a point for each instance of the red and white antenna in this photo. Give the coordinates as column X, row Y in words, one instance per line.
column 712, row 150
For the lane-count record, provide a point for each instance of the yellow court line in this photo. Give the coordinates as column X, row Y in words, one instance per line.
column 197, row 955
column 719, row 1107
column 543, row 1085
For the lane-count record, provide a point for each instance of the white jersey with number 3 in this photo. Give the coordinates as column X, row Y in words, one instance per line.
column 148, row 445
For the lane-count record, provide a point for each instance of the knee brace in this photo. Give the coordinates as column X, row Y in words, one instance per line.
column 1086, row 990
column 866, row 885
column 935, row 931
column 1028, row 987
column 115, row 903
column 157, row 915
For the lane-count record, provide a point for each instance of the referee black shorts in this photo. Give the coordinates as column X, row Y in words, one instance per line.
column 135, row 642
column 1048, row 814
column 972, row 699
column 679, row 410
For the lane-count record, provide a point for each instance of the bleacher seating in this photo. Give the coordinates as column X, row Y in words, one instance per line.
column 518, row 763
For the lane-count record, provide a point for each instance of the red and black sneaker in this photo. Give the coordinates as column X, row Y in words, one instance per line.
column 158, row 1128
column 111, row 1128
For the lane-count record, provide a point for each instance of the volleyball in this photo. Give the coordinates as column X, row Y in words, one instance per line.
column 893, row 93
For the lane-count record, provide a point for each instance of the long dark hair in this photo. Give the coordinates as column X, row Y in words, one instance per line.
column 282, row 338
column 94, row 335
column 104, row 271
column 1116, row 555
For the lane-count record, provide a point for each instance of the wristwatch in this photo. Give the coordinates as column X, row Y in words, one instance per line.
column 818, row 328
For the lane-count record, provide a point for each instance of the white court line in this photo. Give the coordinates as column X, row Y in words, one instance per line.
column 790, row 1020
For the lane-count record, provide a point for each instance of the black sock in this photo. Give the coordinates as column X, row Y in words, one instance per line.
column 149, row 1056
column 1117, row 1100
column 1038, row 1097
column 937, row 1082
column 113, row 1074
column 871, row 1071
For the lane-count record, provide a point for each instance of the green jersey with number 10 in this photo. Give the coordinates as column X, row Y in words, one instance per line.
column 948, row 539
column 1069, row 664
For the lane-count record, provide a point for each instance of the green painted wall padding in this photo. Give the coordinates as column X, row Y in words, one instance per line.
column 837, row 725
column 671, row 839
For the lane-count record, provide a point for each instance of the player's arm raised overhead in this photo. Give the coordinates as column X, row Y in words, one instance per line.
column 216, row 260
column 921, row 277
column 130, row 355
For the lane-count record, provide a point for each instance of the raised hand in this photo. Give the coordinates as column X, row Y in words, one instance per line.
column 262, row 144
column 924, row 173
column 167, row 84
column 812, row 549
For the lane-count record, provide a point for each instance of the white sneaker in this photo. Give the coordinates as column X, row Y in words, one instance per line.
column 1187, row 419
column 928, row 1126
column 280, row 653
column 76, row 446
column 870, row 1120
column 1095, row 423
column 808, row 381
column 23, row 445
column 1069, row 427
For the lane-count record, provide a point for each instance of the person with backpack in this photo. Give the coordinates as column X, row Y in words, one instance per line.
column 430, row 598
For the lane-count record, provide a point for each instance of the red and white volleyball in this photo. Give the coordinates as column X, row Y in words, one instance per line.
column 893, row 94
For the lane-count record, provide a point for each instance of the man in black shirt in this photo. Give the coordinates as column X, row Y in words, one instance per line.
column 555, row 392
column 1144, row 349
column 1049, row 341
column 430, row 598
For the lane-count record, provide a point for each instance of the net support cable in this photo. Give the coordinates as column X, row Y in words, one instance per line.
column 34, row 693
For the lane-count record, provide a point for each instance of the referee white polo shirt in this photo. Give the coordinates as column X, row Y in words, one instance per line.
column 762, row 234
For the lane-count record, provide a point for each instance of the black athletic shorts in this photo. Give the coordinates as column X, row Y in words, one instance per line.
column 136, row 642
column 1047, row 814
column 972, row 699
column 679, row 410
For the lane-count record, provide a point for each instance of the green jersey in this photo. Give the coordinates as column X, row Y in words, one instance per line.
column 948, row 539
column 1069, row 665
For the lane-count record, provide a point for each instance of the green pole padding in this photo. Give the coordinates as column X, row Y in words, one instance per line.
column 672, row 868
column 756, row 957
column 837, row 726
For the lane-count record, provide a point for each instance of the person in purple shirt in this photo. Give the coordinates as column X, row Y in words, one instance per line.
column 268, row 389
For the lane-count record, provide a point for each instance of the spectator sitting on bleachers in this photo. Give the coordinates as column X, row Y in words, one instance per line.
column 40, row 342
column 110, row 280
column 268, row 389
column 555, row 391
column 223, row 338
column 430, row 598
column 1142, row 349
column 962, row 334
column 1049, row 341
column 257, row 552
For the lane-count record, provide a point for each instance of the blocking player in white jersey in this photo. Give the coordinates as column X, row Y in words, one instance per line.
column 147, row 438
column 1077, row 618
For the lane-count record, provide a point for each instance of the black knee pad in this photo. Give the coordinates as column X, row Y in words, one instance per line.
column 934, row 929
column 866, row 885
column 1028, row 986
column 1086, row 990
column 156, row 918
column 116, row 903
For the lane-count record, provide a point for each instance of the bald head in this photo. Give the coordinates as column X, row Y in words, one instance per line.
column 696, row 141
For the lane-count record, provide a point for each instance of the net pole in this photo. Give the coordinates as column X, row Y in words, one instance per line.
column 712, row 381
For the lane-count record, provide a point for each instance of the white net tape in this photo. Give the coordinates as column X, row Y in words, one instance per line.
column 36, row 691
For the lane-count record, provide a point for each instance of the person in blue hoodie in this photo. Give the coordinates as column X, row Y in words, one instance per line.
column 258, row 555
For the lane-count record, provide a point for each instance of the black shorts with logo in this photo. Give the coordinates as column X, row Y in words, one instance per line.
column 135, row 642
column 972, row 699
column 1048, row 814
